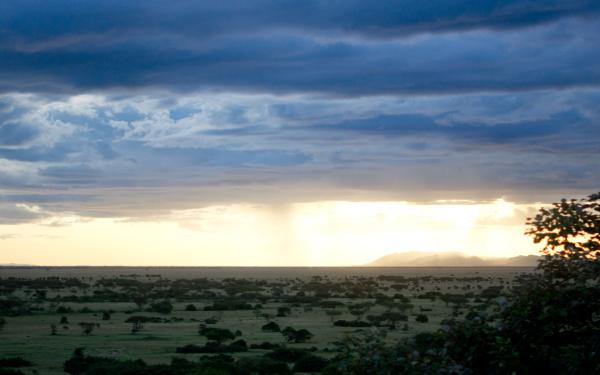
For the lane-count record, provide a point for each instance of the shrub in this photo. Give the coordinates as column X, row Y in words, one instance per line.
column 216, row 334
column 422, row 318
column 64, row 310
column 271, row 327
column 15, row 362
column 163, row 307
column 287, row 354
column 265, row 345
column 310, row 363
column 283, row 311
column 144, row 319
column 352, row 323
column 87, row 327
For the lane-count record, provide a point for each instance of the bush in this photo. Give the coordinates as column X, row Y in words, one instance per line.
column 287, row 354
column 190, row 307
column 271, row 327
column 310, row 363
column 422, row 318
column 64, row 310
column 283, row 311
column 144, row 319
column 163, row 307
column 15, row 362
column 216, row 334
column 265, row 345
column 87, row 327
column 352, row 323
column 8, row 371
column 214, row 347
column 263, row 366
column 297, row 336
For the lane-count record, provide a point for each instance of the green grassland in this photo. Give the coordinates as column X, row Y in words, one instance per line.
column 309, row 293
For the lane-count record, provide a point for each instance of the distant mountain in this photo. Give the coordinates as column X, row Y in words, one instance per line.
column 449, row 259
column 523, row 261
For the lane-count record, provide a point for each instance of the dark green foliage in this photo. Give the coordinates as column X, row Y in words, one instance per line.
column 271, row 327
column 163, row 307
column 569, row 230
column 15, row 362
column 421, row 318
column 297, row 336
column 190, row 307
column 13, row 307
column 214, row 347
column 283, row 311
column 87, row 327
column 287, row 354
column 220, row 364
column 106, row 315
column 216, row 334
column 310, row 363
column 330, row 304
column 229, row 305
column 144, row 319
column 266, row 366
column 352, row 323
column 10, row 371
column 265, row 346
column 64, row 310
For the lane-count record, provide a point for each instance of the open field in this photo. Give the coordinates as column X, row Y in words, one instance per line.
column 34, row 300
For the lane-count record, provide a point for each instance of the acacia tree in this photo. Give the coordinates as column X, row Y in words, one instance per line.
column 570, row 233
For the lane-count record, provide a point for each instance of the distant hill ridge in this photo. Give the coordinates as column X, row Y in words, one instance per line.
column 450, row 259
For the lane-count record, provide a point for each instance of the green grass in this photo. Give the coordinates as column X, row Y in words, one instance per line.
column 29, row 336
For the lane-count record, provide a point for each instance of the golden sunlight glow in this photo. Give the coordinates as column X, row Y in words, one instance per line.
column 303, row 234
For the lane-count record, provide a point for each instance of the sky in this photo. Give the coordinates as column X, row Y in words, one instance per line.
column 278, row 132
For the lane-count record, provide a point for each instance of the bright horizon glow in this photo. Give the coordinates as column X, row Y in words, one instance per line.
column 329, row 233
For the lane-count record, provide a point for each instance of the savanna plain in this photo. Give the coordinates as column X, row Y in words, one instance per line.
column 275, row 320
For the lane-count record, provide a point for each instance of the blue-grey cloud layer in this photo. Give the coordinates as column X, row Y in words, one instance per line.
column 127, row 108
column 344, row 48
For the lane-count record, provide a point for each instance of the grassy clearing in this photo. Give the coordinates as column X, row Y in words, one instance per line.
column 29, row 335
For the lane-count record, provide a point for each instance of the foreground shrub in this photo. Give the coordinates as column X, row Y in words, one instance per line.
column 287, row 354
column 310, row 363
column 15, row 362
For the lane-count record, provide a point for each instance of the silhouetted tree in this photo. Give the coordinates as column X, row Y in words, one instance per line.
column 569, row 230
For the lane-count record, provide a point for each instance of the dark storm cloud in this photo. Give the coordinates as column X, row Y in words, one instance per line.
column 125, row 108
column 46, row 20
column 274, row 46
column 473, row 135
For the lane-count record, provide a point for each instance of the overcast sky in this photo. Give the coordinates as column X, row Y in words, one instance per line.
column 133, row 112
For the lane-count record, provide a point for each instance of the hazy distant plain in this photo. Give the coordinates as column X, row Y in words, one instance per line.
column 255, row 272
